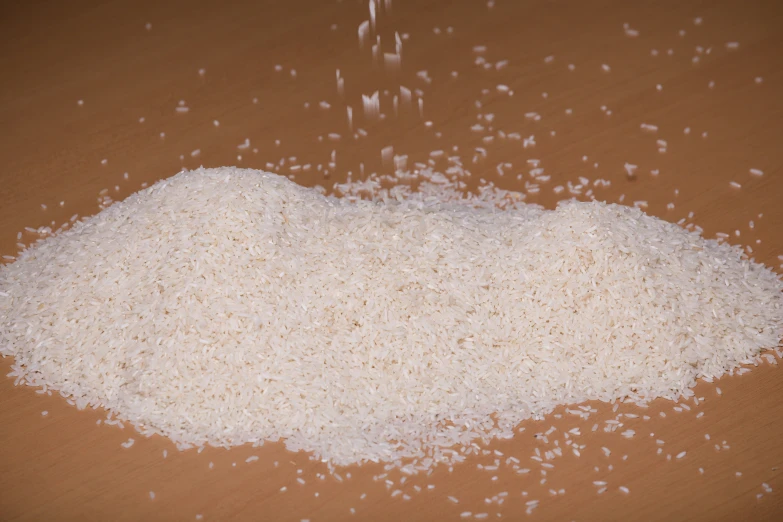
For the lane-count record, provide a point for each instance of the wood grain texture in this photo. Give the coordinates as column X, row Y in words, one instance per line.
column 63, row 466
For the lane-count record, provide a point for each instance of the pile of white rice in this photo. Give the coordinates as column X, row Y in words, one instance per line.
column 227, row 306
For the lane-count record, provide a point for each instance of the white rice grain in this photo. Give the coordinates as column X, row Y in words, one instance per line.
column 238, row 297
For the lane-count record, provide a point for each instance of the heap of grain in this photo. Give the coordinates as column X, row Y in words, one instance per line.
column 229, row 306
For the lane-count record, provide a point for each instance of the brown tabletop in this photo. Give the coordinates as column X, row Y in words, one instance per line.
column 572, row 75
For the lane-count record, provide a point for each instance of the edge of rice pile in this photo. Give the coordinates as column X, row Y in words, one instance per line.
column 231, row 306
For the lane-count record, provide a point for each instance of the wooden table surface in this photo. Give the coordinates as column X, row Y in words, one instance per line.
column 718, row 107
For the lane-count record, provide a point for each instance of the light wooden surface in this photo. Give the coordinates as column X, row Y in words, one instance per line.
column 63, row 466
